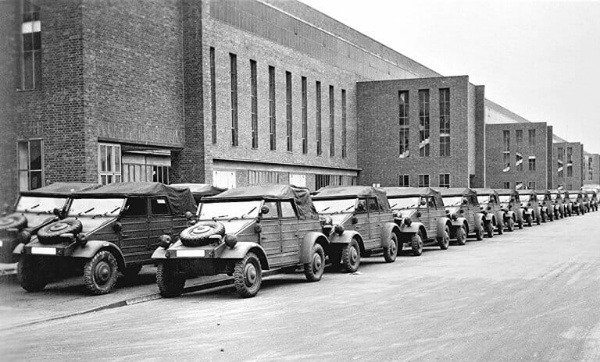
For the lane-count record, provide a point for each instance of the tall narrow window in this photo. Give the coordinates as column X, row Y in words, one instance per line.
column 288, row 110
column 234, row 99
column 109, row 163
column 254, row 103
column 531, row 185
column 403, row 180
column 506, row 184
column 318, row 119
column 569, row 161
column 304, row 116
column 424, row 123
column 344, row 124
column 561, row 159
column 423, row 180
column 331, row 121
column 519, row 135
column 531, row 163
column 444, row 180
column 532, row 137
column 506, row 161
column 31, row 46
column 403, row 123
column 30, row 164
column 213, row 95
column 506, row 140
column 445, row 122
column 272, row 116
column 519, row 161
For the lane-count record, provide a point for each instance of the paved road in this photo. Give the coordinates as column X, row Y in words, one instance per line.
column 531, row 294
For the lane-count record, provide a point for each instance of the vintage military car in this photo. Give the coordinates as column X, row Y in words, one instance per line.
column 421, row 216
column 592, row 199
column 113, row 228
column 511, row 205
column 530, row 207
column 33, row 210
column 362, row 221
column 493, row 215
column 546, row 203
column 576, row 202
column 242, row 232
column 560, row 207
column 463, row 203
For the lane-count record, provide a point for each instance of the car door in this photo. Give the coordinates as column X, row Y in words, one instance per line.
column 362, row 225
column 431, row 215
column 160, row 221
column 270, row 235
column 134, row 229
column 374, row 223
column 290, row 238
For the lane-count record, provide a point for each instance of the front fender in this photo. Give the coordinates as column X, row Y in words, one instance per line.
column 91, row 247
column 345, row 238
column 459, row 222
column 441, row 226
column 478, row 220
column 386, row 233
column 412, row 229
column 310, row 238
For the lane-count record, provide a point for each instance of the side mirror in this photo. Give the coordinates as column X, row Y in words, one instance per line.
column 264, row 210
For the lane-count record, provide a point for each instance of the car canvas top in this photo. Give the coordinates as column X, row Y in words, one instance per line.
column 199, row 190
column 340, row 192
column 456, row 191
column 394, row 192
column 61, row 189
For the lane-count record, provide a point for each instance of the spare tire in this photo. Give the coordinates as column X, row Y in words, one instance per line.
column 199, row 234
column 14, row 221
column 51, row 233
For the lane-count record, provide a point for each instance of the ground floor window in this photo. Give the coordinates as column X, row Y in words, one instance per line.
column 506, row 185
column 333, row 180
column 109, row 163
column 224, row 179
column 518, row 185
column 531, row 185
column 264, row 177
column 403, row 181
column 31, row 174
column 445, row 180
column 298, row 179
column 423, row 180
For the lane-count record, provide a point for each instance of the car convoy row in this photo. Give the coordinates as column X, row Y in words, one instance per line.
column 191, row 230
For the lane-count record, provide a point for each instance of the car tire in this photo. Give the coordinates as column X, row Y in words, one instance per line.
column 313, row 271
column 489, row 229
column 351, row 256
column 199, row 234
column 500, row 228
column 510, row 224
column 247, row 276
column 444, row 241
column 32, row 273
column 543, row 217
column 528, row 220
column 169, row 279
column 100, row 273
column 16, row 221
column 520, row 224
column 416, row 244
column 461, row 235
column 52, row 232
column 479, row 232
column 538, row 221
column 390, row 252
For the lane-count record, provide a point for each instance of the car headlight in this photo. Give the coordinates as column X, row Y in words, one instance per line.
column 230, row 240
column 338, row 229
column 164, row 241
column 407, row 221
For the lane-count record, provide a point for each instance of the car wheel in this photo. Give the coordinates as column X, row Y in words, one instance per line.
column 391, row 251
column 444, row 241
column 247, row 276
column 416, row 244
column 543, row 217
column 520, row 224
column 461, row 235
column 489, row 228
column 528, row 220
column 510, row 224
column 500, row 228
column 32, row 273
column 538, row 221
column 100, row 273
column 169, row 279
column 479, row 232
column 351, row 256
column 313, row 271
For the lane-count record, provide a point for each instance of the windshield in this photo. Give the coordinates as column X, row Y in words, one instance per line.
column 40, row 204
column 573, row 197
column 453, row 201
column 405, row 203
column 553, row 196
column 541, row 197
column 93, row 207
column 334, row 206
column 483, row 199
column 505, row 199
column 230, row 210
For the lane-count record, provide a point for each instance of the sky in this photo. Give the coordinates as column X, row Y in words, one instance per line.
column 538, row 58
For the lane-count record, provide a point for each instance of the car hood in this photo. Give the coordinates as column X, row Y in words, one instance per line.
column 90, row 225
column 233, row 227
column 339, row 219
column 453, row 209
column 404, row 213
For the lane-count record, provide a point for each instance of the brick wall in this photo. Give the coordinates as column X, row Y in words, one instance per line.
column 576, row 181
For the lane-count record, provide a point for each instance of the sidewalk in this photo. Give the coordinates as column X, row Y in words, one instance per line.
column 7, row 269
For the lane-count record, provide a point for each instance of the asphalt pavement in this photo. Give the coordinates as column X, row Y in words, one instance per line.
column 529, row 294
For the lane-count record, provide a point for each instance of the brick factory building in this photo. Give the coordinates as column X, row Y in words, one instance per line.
column 227, row 92
column 568, row 165
column 519, row 155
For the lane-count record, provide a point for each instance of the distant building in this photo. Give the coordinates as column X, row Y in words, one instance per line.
column 591, row 169
column 568, row 165
column 519, row 155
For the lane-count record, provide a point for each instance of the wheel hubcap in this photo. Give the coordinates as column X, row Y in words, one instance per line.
column 317, row 262
column 251, row 274
column 102, row 272
column 392, row 247
column 353, row 255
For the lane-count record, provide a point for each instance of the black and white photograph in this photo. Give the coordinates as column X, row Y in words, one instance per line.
column 330, row 180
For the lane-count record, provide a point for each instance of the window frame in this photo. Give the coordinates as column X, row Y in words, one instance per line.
column 151, row 209
column 28, row 168
column 34, row 19
column 116, row 176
